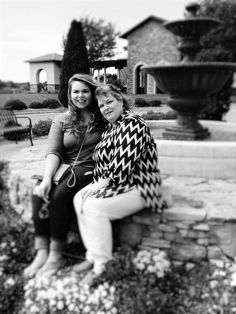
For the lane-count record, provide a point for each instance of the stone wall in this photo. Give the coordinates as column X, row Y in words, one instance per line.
column 149, row 44
column 199, row 224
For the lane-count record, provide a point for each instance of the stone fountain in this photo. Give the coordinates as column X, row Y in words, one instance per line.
column 187, row 146
column 189, row 83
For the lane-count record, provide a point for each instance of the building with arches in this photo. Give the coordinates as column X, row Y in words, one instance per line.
column 51, row 64
column 148, row 43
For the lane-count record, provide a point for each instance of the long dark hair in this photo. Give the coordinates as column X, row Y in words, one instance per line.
column 75, row 113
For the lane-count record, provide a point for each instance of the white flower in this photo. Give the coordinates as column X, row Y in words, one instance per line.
column 160, row 274
column 34, row 309
column 52, row 302
column 151, row 269
column 233, row 279
column 10, row 282
column 71, row 307
column 112, row 289
column 140, row 266
column 28, row 303
column 108, row 305
column 60, row 305
column 114, row 310
column 87, row 309
column 3, row 258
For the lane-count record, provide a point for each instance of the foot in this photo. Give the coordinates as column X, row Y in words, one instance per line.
column 38, row 262
column 89, row 278
column 50, row 268
column 82, row 267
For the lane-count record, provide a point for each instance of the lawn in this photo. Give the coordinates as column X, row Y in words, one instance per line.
column 27, row 98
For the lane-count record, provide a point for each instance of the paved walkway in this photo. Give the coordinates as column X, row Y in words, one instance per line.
column 7, row 148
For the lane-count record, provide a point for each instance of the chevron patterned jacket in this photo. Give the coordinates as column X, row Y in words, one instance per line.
column 127, row 155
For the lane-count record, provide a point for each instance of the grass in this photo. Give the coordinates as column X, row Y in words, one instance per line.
column 27, row 98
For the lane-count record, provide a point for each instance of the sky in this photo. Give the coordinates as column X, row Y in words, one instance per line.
column 33, row 28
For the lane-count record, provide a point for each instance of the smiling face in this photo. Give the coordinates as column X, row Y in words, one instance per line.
column 81, row 94
column 111, row 108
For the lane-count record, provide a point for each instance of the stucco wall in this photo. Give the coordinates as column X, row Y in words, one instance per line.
column 147, row 45
column 53, row 73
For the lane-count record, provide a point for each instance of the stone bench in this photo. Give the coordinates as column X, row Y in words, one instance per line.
column 199, row 224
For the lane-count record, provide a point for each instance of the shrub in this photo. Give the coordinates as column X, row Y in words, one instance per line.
column 6, row 90
column 42, row 127
column 37, row 105
column 15, row 104
column 140, row 102
column 171, row 115
column 151, row 115
column 154, row 103
column 51, row 103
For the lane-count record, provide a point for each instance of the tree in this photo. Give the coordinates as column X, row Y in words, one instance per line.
column 219, row 45
column 100, row 38
column 75, row 59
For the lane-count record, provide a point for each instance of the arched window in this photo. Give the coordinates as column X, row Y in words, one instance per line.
column 140, row 80
column 42, row 81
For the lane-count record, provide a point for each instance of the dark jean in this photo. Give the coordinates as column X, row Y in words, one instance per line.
column 61, row 209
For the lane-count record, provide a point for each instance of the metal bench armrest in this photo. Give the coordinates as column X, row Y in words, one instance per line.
column 24, row 117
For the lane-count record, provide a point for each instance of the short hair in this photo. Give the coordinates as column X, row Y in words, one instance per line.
column 106, row 89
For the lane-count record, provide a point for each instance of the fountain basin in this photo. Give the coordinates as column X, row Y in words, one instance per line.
column 188, row 84
column 192, row 27
column 213, row 158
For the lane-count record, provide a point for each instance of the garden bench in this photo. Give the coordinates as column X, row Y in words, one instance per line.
column 9, row 125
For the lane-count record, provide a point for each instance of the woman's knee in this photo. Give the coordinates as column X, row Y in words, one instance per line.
column 77, row 201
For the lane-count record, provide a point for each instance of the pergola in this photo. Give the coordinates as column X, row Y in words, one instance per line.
column 51, row 63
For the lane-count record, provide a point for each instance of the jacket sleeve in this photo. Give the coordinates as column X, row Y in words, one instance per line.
column 129, row 143
column 55, row 138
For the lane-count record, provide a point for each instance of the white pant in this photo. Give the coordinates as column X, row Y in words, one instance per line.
column 94, row 219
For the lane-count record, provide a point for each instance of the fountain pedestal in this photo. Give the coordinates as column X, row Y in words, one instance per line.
column 186, row 128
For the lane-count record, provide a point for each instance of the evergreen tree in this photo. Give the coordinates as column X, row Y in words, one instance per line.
column 100, row 38
column 75, row 59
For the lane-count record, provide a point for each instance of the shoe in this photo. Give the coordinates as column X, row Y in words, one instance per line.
column 38, row 262
column 51, row 268
column 82, row 267
column 89, row 278
column 29, row 272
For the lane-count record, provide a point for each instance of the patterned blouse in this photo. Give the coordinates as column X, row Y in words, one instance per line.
column 127, row 155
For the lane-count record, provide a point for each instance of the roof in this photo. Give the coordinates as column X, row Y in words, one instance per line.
column 121, row 62
column 148, row 19
column 109, row 63
column 46, row 58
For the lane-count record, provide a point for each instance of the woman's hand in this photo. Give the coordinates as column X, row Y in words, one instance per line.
column 93, row 188
column 43, row 189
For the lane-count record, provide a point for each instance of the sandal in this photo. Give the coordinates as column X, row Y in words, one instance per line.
column 32, row 270
column 51, row 268
column 82, row 267
column 89, row 278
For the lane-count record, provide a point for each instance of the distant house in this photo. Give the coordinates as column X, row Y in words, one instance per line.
column 51, row 63
column 148, row 43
